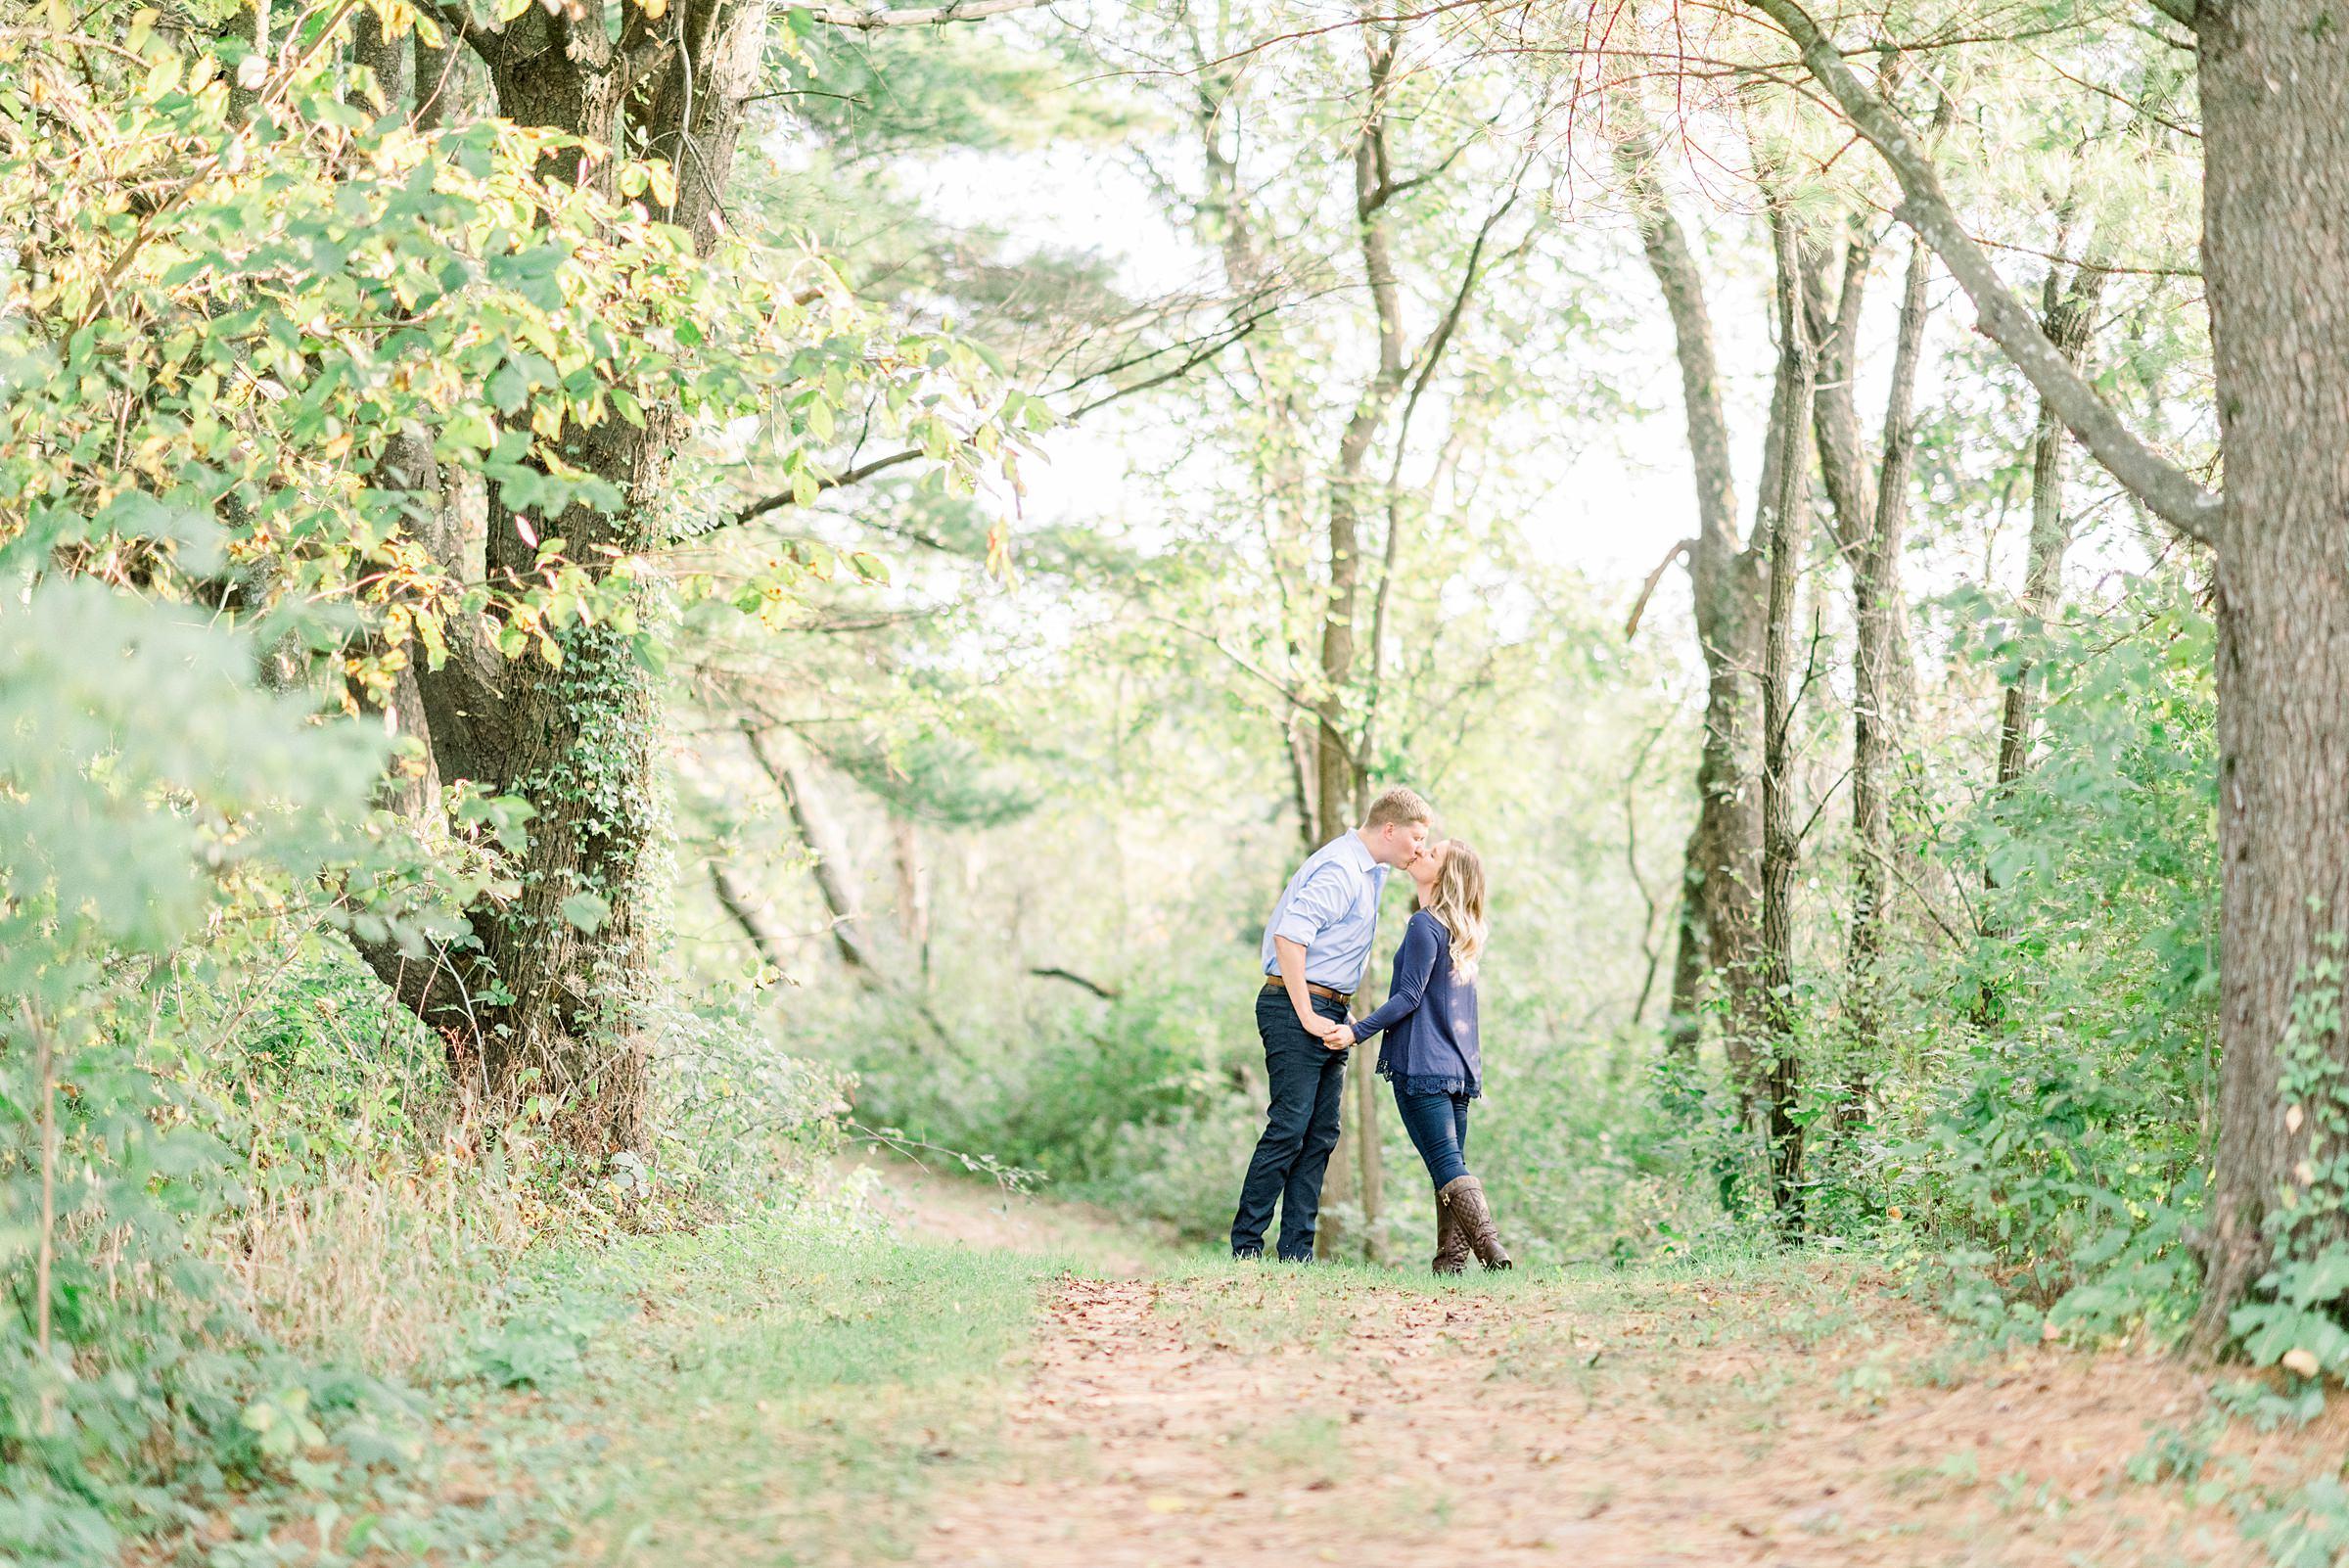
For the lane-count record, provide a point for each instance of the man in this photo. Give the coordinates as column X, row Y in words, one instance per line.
column 1316, row 947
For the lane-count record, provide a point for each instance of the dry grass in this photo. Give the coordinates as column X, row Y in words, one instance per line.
column 383, row 1264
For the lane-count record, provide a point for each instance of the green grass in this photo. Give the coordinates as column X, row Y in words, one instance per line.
column 763, row 1395
column 798, row 1396
column 770, row 1394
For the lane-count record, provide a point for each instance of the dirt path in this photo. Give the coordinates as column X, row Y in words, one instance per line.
column 932, row 1203
column 1800, row 1417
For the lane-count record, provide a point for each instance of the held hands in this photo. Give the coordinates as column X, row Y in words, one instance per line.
column 1337, row 1033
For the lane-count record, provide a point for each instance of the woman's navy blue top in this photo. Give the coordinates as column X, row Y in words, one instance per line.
column 1430, row 1018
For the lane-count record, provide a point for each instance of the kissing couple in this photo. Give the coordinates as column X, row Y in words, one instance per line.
column 1316, row 949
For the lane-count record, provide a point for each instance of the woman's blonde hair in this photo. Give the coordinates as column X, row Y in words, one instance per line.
column 1458, row 901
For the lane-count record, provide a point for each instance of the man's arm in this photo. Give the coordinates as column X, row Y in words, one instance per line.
column 1291, row 954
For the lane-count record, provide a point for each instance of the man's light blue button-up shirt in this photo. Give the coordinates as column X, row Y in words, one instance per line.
column 1331, row 906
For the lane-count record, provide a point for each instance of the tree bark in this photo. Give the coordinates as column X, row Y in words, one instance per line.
column 1719, row 866
column 1853, row 499
column 1783, row 530
column 386, row 56
column 2274, row 88
column 441, row 79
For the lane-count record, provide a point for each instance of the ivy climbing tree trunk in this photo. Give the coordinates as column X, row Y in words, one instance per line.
column 551, row 998
column 2275, row 84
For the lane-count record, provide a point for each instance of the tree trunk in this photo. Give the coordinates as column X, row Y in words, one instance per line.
column 1338, row 775
column 913, row 891
column 552, row 997
column 1299, row 733
column 2274, row 87
column 386, row 56
column 1877, row 608
column 441, row 79
column 741, row 905
column 2069, row 320
column 1783, row 530
column 1718, row 870
column 827, row 852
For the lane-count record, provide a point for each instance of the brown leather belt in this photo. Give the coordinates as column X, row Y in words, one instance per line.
column 1275, row 983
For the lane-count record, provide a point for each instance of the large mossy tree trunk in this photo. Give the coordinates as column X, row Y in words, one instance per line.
column 552, row 999
column 2274, row 87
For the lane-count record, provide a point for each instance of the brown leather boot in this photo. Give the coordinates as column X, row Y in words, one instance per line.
column 1451, row 1243
column 1463, row 1198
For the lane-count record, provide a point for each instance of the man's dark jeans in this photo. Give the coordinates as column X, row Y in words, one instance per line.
column 1301, row 1127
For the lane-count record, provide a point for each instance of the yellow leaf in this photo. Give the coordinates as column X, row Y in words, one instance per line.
column 656, row 8
column 1167, row 1505
column 2297, row 1359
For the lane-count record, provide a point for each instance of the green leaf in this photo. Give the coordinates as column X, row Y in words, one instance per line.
column 586, row 910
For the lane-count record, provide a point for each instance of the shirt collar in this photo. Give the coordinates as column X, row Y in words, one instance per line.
column 1358, row 852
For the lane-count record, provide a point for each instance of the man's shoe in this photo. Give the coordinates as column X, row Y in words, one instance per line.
column 1451, row 1243
column 1464, row 1197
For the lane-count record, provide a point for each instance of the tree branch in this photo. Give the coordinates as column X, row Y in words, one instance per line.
column 1631, row 623
column 738, row 901
column 1054, row 971
column 2169, row 491
column 872, row 18
column 1198, row 356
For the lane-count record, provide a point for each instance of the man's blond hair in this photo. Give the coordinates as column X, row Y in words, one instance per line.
column 1399, row 806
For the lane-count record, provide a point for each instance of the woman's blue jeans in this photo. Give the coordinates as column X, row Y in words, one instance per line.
column 1438, row 1127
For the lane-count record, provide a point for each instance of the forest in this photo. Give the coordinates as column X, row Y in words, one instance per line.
column 659, row 660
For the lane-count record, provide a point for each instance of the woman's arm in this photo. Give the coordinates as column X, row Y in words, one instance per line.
column 1415, row 962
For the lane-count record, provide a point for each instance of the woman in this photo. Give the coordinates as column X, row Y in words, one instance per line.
column 1429, row 1053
